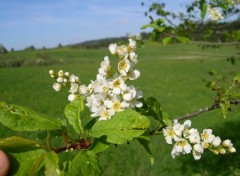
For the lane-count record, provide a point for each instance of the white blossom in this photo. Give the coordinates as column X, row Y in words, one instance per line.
column 72, row 97
column 207, row 136
column 132, row 43
column 214, row 13
column 60, row 73
column 113, row 48
column 216, row 141
column 122, row 51
column 73, row 88
column 178, row 128
column 227, row 143
column 124, row 67
column 51, row 72
column 232, row 150
column 181, row 146
column 132, row 75
column 197, row 151
column 118, row 85
column 170, row 134
column 133, row 57
column 56, row 86
column 194, row 136
column 60, row 79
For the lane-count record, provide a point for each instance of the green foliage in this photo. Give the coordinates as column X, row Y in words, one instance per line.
column 20, row 118
column 203, row 9
column 156, row 71
column 51, row 164
column 26, row 163
column 16, row 143
column 72, row 112
column 85, row 163
column 123, row 127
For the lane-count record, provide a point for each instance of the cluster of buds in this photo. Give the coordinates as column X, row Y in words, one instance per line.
column 214, row 13
column 190, row 141
column 109, row 93
column 65, row 79
column 234, row 2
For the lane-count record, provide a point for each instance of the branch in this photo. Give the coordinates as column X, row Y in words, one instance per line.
column 81, row 144
column 200, row 111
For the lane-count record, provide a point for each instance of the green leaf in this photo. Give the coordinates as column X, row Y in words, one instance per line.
column 26, row 163
column 203, row 9
column 72, row 112
column 20, row 118
column 100, row 144
column 183, row 39
column 166, row 40
column 236, row 80
column 146, row 26
column 16, row 144
column 85, row 163
column 51, row 164
column 122, row 127
column 145, row 142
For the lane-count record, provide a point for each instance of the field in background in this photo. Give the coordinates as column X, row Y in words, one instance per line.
column 173, row 74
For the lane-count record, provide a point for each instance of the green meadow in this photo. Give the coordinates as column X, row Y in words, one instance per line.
column 174, row 74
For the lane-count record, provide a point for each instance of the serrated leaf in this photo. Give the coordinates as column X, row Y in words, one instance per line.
column 26, row 163
column 166, row 40
column 85, row 163
column 19, row 118
column 122, row 127
column 51, row 164
column 72, row 112
column 100, row 144
column 18, row 144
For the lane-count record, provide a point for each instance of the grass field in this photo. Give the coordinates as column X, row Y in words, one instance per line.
column 173, row 74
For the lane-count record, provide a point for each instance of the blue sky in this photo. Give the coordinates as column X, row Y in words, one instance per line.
column 50, row 22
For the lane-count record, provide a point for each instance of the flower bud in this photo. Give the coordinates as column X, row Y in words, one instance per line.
column 205, row 145
column 59, row 79
column 122, row 51
column 51, row 72
column 66, row 73
column 226, row 143
column 113, row 48
column 222, row 151
column 132, row 44
column 215, row 152
column 216, row 142
column 56, row 86
column 232, row 150
column 74, row 88
column 72, row 97
column 60, row 73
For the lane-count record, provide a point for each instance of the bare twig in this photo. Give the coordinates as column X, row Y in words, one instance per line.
column 200, row 111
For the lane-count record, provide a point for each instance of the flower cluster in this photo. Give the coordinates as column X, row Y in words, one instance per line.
column 234, row 2
column 66, row 79
column 189, row 140
column 109, row 93
column 214, row 13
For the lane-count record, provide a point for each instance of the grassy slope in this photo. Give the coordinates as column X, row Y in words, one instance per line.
column 175, row 82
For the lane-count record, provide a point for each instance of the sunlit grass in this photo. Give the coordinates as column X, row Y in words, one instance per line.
column 176, row 82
